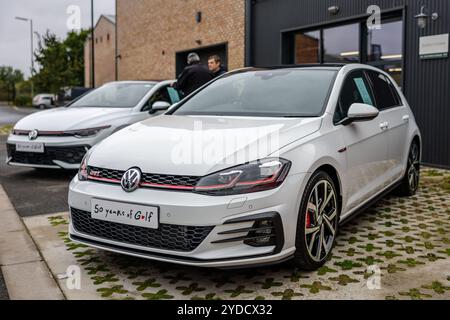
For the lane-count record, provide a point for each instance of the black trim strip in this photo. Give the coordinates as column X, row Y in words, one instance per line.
column 242, row 230
column 246, row 238
column 159, row 255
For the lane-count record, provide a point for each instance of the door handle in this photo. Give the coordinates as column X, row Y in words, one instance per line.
column 405, row 118
column 384, row 125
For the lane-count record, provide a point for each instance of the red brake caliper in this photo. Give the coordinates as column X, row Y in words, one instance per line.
column 308, row 219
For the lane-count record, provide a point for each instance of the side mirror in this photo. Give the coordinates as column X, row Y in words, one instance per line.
column 360, row 112
column 160, row 105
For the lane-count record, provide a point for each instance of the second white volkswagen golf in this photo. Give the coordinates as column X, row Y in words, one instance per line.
column 257, row 167
column 59, row 138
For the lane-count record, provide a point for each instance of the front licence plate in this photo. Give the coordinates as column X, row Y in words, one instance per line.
column 125, row 213
column 34, row 147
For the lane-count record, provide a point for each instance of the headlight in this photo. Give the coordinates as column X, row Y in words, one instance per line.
column 83, row 170
column 83, row 133
column 255, row 176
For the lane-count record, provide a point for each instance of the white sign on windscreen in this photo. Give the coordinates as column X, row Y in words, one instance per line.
column 434, row 47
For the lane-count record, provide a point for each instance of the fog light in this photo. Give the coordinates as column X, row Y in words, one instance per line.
column 262, row 241
column 263, row 234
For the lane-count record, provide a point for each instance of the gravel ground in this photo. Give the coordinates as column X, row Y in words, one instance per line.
column 3, row 291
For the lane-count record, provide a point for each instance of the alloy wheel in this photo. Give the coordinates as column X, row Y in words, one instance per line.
column 414, row 167
column 321, row 220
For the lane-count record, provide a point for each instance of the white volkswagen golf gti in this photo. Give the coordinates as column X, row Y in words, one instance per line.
column 257, row 167
column 59, row 138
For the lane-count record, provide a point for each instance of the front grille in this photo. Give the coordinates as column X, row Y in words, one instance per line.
column 95, row 172
column 186, row 181
column 148, row 179
column 71, row 155
column 167, row 236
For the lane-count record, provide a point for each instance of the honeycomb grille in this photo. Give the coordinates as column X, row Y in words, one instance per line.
column 155, row 179
column 72, row 155
column 186, row 181
column 106, row 173
column 166, row 237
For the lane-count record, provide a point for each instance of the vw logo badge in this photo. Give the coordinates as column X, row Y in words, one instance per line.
column 131, row 179
column 33, row 134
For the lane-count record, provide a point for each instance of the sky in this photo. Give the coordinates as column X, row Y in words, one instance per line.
column 46, row 15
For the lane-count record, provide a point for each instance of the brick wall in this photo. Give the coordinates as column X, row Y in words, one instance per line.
column 150, row 32
column 105, row 65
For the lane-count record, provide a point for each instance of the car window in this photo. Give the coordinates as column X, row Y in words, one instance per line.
column 264, row 93
column 115, row 95
column 386, row 95
column 166, row 94
column 356, row 89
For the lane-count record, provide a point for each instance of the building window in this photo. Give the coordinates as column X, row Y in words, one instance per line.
column 107, row 37
column 348, row 43
column 328, row 45
column 341, row 44
column 385, row 48
column 307, row 47
column 386, row 43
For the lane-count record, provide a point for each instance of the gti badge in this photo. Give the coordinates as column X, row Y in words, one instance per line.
column 33, row 134
column 131, row 179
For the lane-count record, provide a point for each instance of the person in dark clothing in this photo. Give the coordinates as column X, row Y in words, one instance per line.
column 193, row 76
column 215, row 66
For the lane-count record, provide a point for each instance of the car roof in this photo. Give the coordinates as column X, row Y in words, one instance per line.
column 328, row 66
column 315, row 66
column 312, row 66
column 133, row 81
column 305, row 65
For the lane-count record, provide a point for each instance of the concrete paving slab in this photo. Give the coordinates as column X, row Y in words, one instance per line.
column 30, row 281
column 25, row 274
column 5, row 204
column 10, row 221
column 59, row 260
column 17, row 247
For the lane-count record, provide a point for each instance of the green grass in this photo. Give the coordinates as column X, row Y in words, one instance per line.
column 446, row 184
column 433, row 173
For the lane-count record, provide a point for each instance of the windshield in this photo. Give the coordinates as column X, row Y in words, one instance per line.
column 115, row 95
column 277, row 93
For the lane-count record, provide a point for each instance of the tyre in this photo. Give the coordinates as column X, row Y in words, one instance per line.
column 410, row 182
column 42, row 106
column 318, row 222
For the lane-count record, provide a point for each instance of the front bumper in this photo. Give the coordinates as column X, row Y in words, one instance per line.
column 59, row 152
column 229, row 220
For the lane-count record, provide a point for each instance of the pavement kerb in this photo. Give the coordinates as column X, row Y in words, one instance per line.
column 26, row 274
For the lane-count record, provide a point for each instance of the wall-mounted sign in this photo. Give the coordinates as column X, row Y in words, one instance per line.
column 434, row 47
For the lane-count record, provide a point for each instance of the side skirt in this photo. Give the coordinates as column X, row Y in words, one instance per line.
column 370, row 203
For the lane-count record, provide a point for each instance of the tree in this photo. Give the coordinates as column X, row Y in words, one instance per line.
column 61, row 62
column 9, row 77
